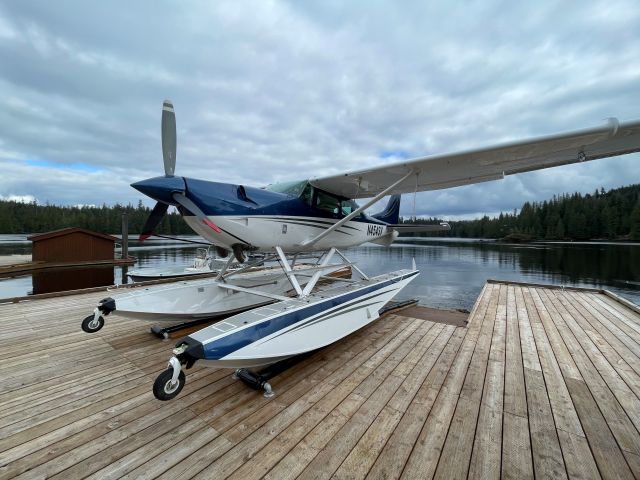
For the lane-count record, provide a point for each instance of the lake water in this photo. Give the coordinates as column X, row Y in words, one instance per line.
column 453, row 271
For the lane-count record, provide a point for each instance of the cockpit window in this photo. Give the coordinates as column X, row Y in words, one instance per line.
column 326, row 201
column 338, row 206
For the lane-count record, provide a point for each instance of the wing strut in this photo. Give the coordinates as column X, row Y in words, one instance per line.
column 357, row 211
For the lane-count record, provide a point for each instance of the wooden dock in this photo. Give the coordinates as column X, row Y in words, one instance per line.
column 542, row 382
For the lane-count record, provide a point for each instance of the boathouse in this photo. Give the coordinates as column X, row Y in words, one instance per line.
column 72, row 245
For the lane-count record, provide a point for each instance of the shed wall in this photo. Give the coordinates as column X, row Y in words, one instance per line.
column 76, row 246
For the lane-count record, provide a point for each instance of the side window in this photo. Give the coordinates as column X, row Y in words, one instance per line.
column 307, row 194
column 327, row 202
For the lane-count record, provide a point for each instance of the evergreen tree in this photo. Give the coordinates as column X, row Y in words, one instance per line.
column 634, row 222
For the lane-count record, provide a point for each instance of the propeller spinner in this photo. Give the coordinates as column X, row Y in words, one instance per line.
column 168, row 189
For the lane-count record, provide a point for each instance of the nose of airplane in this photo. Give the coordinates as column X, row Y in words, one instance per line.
column 161, row 188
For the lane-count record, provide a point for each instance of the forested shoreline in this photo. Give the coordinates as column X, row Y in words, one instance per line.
column 602, row 215
column 612, row 215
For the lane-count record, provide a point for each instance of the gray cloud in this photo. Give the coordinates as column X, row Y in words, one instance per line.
column 273, row 91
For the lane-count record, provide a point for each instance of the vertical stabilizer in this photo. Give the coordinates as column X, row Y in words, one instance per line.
column 391, row 213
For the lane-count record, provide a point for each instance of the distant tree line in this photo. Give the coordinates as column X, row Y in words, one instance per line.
column 17, row 217
column 601, row 215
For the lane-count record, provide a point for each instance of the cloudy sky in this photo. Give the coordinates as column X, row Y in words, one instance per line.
column 270, row 91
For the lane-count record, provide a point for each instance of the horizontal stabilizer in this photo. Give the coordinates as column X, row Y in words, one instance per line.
column 406, row 228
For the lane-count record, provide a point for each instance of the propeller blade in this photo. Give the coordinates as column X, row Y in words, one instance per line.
column 156, row 216
column 169, row 139
column 193, row 208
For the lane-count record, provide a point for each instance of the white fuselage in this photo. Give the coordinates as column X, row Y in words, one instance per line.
column 262, row 232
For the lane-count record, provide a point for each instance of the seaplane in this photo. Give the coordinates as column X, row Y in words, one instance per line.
column 320, row 214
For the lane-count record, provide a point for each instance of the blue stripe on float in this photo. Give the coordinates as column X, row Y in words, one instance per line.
column 236, row 340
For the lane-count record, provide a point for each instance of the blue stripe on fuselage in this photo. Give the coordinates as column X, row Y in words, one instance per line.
column 221, row 199
column 230, row 343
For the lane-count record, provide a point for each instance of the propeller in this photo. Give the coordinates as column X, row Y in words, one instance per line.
column 157, row 214
column 169, row 143
column 169, row 138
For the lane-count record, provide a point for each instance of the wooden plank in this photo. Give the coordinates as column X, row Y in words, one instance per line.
column 516, row 445
column 82, row 434
column 607, row 337
column 424, row 457
column 138, row 447
column 603, row 381
column 322, row 431
column 280, row 447
column 622, row 310
column 619, row 429
column 545, row 446
column 338, row 368
column 486, row 459
column 158, row 464
column 577, row 456
column 394, row 455
column 614, row 368
column 562, row 407
column 515, row 399
column 375, row 389
column 364, row 454
column 609, row 458
column 400, row 398
column 626, row 341
column 458, row 446
column 516, row 448
column 259, row 425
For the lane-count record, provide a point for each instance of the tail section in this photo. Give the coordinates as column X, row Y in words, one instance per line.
column 391, row 213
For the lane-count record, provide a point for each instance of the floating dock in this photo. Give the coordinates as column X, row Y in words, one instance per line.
column 542, row 382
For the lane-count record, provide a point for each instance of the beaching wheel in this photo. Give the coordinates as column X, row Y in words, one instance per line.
column 164, row 388
column 90, row 324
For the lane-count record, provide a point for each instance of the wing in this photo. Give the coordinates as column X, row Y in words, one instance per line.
column 493, row 163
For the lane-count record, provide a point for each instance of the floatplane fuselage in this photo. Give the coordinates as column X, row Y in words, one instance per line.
column 286, row 215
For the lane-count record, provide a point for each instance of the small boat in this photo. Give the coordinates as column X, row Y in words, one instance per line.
column 294, row 326
column 202, row 263
column 191, row 300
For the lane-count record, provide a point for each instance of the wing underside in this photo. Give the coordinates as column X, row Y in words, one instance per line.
column 485, row 164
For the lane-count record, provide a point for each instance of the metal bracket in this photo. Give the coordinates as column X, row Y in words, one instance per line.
column 175, row 364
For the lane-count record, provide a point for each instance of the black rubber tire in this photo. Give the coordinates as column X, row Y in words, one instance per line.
column 162, row 386
column 87, row 324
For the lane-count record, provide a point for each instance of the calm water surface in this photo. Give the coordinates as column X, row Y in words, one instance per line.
column 452, row 271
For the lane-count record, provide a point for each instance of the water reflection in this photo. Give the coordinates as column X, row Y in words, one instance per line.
column 452, row 274
column 47, row 281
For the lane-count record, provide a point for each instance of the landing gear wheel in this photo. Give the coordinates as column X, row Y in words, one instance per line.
column 164, row 388
column 91, row 325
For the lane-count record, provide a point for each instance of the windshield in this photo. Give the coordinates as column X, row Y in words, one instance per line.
column 294, row 189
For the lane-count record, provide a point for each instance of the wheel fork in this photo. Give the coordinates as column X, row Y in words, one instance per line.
column 177, row 367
